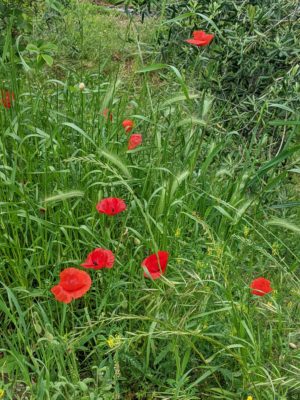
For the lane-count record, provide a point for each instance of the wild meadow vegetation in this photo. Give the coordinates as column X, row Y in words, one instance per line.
column 211, row 184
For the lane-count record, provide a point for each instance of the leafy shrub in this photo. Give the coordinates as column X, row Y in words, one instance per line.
column 253, row 62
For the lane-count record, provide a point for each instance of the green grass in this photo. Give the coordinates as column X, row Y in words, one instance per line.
column 225, row 205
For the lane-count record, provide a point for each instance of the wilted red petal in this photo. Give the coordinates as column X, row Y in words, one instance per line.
column 134, row 141
column 107, row 113
column 156, row 264
column 128, row 125
column 260, row 286
column 111, row 206
column 7, row 98
column 99, row 258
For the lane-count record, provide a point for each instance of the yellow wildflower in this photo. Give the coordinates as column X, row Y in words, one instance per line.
column 2, row 393
column 246, row 231
column 178, row 232
column 113, row 341
column 249, row 398
column 110, row 342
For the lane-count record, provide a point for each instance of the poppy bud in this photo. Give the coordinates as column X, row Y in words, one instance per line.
column 137, row 241
column 81, row 86
column 128, row 125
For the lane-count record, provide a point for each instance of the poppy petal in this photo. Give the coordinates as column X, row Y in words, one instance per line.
column 200, row 38
column 7, row 98
column 107, row 114
column 199, row 35
column 111, row 206
column 155, row 264
column 61, row 295
column 73, row 284
column 128, row 125
column 260, row 286
column 134, row 141
column 72, row 279
column 99, row 258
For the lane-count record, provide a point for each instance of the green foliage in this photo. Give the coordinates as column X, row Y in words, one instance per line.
column 13, row 17
column 252, row 65
column 225, row 205
column 42, row 52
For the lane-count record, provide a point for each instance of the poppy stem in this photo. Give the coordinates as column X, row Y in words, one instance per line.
column 63, row 319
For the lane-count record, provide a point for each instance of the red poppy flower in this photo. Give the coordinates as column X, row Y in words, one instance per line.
column 134, row 141
column 201, row 38
column 128, row 125
column 99, row 258
column 73, row 284
column 260, row 286
column 111, row 206
column 106, row 113
column 155, row 265
column 7, row 98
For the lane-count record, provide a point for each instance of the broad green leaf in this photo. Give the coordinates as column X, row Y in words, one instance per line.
column 48, row 59
column 32, row 48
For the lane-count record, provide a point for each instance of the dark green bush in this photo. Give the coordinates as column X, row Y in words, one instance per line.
column 253, row 60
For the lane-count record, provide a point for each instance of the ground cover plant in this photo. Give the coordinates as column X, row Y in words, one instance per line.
column 149, row 206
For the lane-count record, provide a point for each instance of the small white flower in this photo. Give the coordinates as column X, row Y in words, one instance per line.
column 81, row 86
